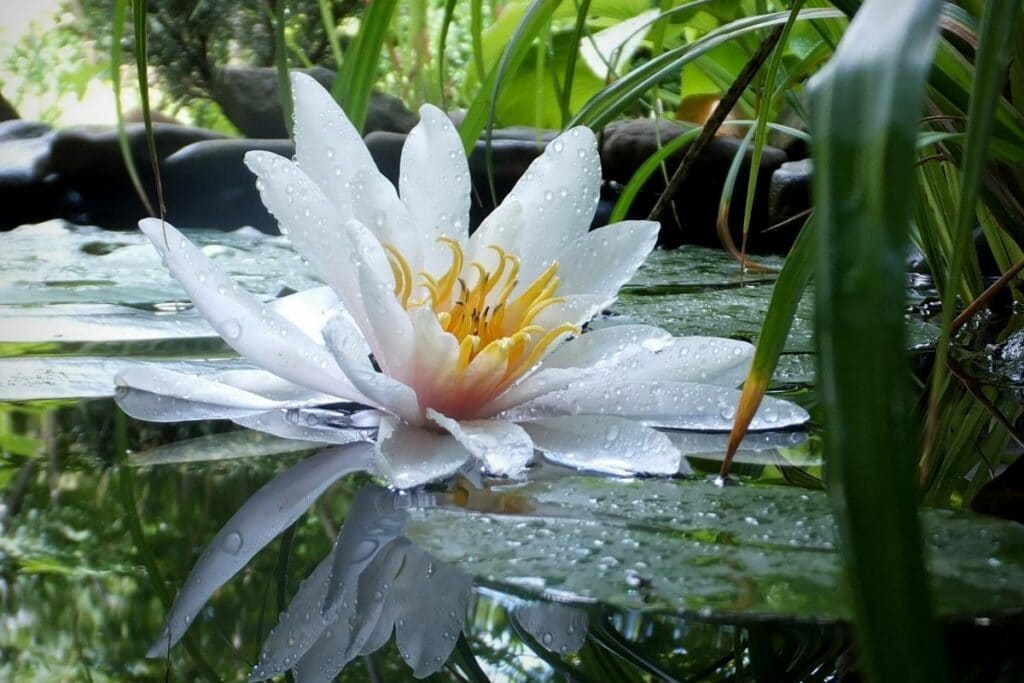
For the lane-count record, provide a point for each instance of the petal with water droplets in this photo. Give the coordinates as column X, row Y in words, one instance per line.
column 604, row 444
column 409, row 456
column 672, row 405
column 603, row 260
column 246, row 324
column 504, row 448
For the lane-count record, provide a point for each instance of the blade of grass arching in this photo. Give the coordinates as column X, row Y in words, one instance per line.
column 358, row 71
column 284, row 86
column 778, row 319
column 865, row 106
column 570, row 64
column 126, row 491
column 142, row 69
column 476, row 32
column 764, row 108
column 480, row 113
column 725, row 202
column 446, row 22
column 330, row 25
column 621, row 94
column 997, row 21
column 120, row 15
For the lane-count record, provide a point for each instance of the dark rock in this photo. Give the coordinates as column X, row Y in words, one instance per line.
column 26, row 194
column 94, row 150
column 207, row 185
column 692, row 217
column 790, row 190
column 7, row 110
column 94, row 185
column 249, row 97
column 1004, row 495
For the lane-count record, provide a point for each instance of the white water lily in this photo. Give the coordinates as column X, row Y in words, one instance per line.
column 461, row 348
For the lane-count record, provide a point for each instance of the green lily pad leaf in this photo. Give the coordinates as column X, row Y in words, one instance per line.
column 690, row 547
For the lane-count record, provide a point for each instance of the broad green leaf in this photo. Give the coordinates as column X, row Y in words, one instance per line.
column 737, row 552
column 865, row 106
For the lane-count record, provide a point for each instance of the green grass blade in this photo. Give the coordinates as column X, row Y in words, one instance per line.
column 120, row 15
column 330, row 24
column 359, row 70
column 142, row 69
column 570, row 65
column 763, row 110
column 778, row 320
column 997, row 22
column 449, row 15
column 476, row 31
column 865, row 108
column 623, row 93
column 284, row 86
column 480, row 113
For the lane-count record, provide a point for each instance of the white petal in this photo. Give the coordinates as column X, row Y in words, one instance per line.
column 434, row 180
column 544, row 381
column 707, row 360
column 603, row 260
column 377, row 206
column 390, row 324
column 604, row 444
column 321, row 426
column 437, row 353
column 559, row 194
column 221, row 446
column 672, row 405
column 269, row 385
column 381, row 391
column 577, row 309
column 327, row 145
column 501, row 228
column 153, row 393
column 309, row 310
column 607, row 347
column 559, row 628
column 267, row 513
column 434, row 595
column 505, row 448
column 247, row 325
column 323, row 236
column 409, row 456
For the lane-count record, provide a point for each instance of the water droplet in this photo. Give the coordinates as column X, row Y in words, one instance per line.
column 558, row 146
column 231, row 329
column 232, row 543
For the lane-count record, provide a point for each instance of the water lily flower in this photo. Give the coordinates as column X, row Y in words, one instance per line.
column 457, row 349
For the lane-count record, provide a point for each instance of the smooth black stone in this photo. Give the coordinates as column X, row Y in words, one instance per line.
column 7, row 110
column 250, row 98
column 207, row 185
column 626, row 145
column 27, row 195
column 790, row 190
column 92, row 182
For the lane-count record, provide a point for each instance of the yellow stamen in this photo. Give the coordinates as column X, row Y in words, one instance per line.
column 491, row 327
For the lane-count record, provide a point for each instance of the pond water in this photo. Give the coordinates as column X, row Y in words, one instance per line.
column 573, row 577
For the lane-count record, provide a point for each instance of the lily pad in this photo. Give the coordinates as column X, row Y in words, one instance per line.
column 690, row 547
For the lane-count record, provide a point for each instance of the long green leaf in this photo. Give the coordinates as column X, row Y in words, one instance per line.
column 865, row 107
column 612, row 100
column 120, row 15
column 480, row 113
column 778, row 320
column 284, row 86
column 764, row 109
column 359, row 70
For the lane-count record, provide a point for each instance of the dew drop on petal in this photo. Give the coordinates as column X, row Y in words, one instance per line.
column 231, row 329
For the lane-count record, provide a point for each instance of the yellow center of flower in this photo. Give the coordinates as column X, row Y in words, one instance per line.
column 483, row 316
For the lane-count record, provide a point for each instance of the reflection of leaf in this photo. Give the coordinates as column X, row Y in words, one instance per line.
column 693, row 547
